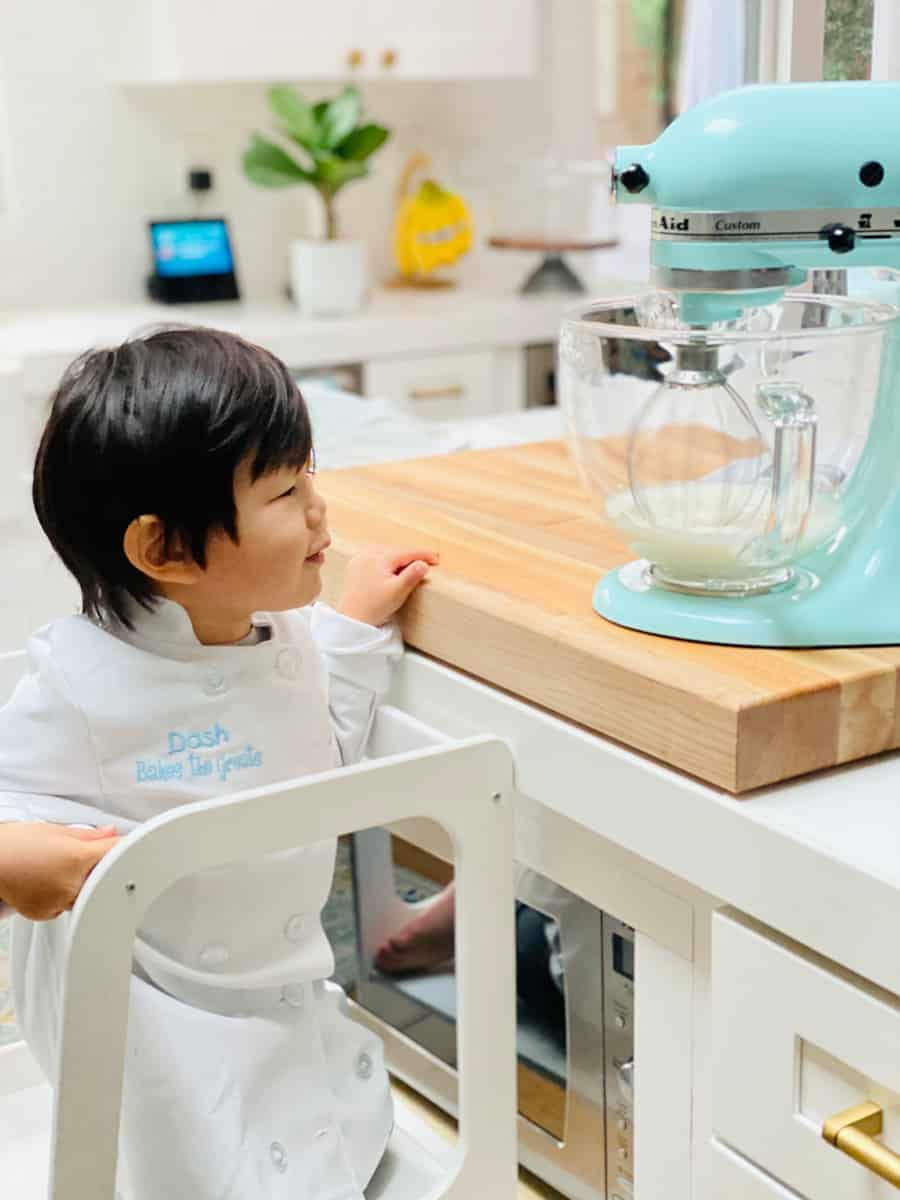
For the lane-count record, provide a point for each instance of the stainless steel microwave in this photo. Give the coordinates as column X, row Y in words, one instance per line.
column 575, row 1005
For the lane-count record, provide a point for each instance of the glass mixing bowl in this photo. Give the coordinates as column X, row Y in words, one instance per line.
column 724, row 455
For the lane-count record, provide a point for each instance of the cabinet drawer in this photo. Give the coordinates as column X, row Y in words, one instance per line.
column 440, row 387
column 795, row 1040
column 737, row 1179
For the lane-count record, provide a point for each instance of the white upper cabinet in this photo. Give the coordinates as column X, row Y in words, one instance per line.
column 452, row 39
column 216, row 41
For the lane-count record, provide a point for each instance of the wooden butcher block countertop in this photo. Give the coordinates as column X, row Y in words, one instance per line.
column 521, row 551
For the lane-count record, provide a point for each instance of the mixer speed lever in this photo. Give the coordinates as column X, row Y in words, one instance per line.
column 840, row 238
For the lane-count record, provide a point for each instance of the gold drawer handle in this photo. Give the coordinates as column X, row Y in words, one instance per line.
column 389, row 58
column 854, row 1131
column 355, row 58
column 437, row 393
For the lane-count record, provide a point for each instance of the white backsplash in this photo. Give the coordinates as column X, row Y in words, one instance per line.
column 85, row 163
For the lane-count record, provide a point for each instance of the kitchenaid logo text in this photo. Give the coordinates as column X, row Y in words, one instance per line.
column 732, row 225
column 723, row 225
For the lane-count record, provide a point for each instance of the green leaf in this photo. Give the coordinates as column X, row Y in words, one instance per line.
column 298, row 118
column 268, row 165
column 340, row 117
column 334, row 172
column 362, row 142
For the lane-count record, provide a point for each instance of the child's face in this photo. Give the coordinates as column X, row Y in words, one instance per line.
column 282, row 535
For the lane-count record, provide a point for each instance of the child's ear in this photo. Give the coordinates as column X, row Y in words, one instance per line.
column 146, row 548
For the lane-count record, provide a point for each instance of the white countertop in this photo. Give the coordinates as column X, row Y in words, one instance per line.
column 348, row 433
column 394, row 323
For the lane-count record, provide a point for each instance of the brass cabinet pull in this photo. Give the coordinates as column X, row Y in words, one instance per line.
column 355, row 58
column 437, row 393
column 853, row 1132
column 389, row 58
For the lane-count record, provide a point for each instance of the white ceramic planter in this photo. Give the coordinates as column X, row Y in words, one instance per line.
column 329, row 278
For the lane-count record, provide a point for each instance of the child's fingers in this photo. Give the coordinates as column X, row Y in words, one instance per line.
column 410, row 577
column 91, row 835
column 93, row 851
column 399, row 560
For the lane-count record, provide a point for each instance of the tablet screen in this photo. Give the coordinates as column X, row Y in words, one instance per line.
column 191, row 248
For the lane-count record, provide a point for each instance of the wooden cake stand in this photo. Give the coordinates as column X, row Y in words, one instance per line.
column 552, row 274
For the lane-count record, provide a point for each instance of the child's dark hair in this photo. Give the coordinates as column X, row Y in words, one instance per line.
column 158, row 425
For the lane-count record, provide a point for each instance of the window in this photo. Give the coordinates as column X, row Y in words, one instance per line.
column 848, row 39
column 657, row 57
column 637, row 58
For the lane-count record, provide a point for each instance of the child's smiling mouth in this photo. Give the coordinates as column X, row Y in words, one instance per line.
column 318, row 556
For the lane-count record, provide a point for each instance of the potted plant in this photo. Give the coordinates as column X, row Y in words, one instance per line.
column 325, row 146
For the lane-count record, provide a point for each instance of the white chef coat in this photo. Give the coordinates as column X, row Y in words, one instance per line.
column 264, row 1087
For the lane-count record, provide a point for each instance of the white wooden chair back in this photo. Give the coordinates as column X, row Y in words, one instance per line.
column 467, row 787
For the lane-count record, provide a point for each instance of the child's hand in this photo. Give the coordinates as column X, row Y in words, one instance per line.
column 43, row 867
column 379, row 580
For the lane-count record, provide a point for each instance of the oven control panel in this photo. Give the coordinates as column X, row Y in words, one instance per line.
column 618, row 1022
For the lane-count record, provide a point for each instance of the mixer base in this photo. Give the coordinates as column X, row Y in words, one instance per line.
column 852, row 609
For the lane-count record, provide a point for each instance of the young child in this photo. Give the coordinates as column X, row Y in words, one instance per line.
column 174, row 479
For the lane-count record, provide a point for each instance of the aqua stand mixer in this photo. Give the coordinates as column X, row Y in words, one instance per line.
column 742, row 436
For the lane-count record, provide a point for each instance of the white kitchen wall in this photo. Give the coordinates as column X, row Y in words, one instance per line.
column 86, row 163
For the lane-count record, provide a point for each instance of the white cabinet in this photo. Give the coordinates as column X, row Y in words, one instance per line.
column 795, row 1041
column 443, row 387
column 463, row 39
column 733, row 1177
column 204, row 41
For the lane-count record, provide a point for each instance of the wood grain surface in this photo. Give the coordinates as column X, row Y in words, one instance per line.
column 521, row 550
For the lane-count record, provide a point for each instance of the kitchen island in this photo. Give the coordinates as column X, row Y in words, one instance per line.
column 767, row 965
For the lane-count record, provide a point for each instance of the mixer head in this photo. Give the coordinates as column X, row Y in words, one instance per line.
column 754, row 188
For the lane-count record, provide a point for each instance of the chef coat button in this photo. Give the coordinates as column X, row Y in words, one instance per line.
column 295, row 928
column 214, row 956
column 288, row 662
column 214, row 681
column 279, row 1157
column 364, row 1065
column 294, row 994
